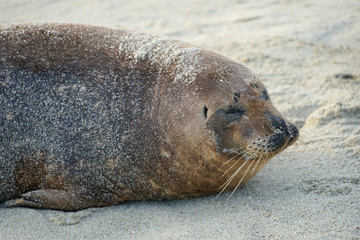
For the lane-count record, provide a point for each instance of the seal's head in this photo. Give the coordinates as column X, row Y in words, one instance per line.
column 248, row 123
column 229, row 123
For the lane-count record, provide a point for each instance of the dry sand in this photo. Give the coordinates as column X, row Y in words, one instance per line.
column 308, row 55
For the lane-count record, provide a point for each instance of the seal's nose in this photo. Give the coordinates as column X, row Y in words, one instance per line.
column 283, row 131
column 278, row 123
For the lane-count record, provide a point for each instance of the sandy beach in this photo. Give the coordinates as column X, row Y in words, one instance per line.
column 307, row 53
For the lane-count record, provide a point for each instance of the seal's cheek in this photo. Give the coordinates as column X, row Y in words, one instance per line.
column 237, row 134
column 229, row 129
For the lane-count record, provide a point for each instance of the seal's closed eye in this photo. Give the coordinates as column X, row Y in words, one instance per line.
column 233, row 113
column 235, row 110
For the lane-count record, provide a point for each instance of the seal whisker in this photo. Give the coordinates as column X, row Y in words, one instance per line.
column 302, row 141
column 226, row 184
column 259, row 69
column 236, row 155
column 252, row 68
column 263, row 161
column 237, row 186
column 240, row 157
column 233, row 165
column 233, row 175
column 232, row 89
column 227, row 163
column 257, row 163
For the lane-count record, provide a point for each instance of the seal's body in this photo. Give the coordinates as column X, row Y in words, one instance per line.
column 93, row 116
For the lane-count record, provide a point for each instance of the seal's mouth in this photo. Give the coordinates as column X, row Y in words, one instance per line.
column 232, row 134
column 253, row 157
column 274, row 143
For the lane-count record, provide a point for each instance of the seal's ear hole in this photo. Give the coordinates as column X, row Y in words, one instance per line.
column 205, row 111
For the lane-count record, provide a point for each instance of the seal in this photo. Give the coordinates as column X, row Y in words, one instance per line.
column 93, row 116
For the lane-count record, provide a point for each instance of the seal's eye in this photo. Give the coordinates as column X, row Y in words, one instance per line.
column 205, row 110
column 235, row 110
column 234, row 113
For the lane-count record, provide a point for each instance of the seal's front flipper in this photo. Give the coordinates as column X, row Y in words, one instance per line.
column 50, row 199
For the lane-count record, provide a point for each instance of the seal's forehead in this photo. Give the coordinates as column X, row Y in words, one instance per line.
column 238, row 78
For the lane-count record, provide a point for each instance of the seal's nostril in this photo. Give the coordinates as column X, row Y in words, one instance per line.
column 294, row 132
column 279, row 124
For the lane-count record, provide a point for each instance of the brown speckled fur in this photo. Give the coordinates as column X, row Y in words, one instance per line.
column 94, row 116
